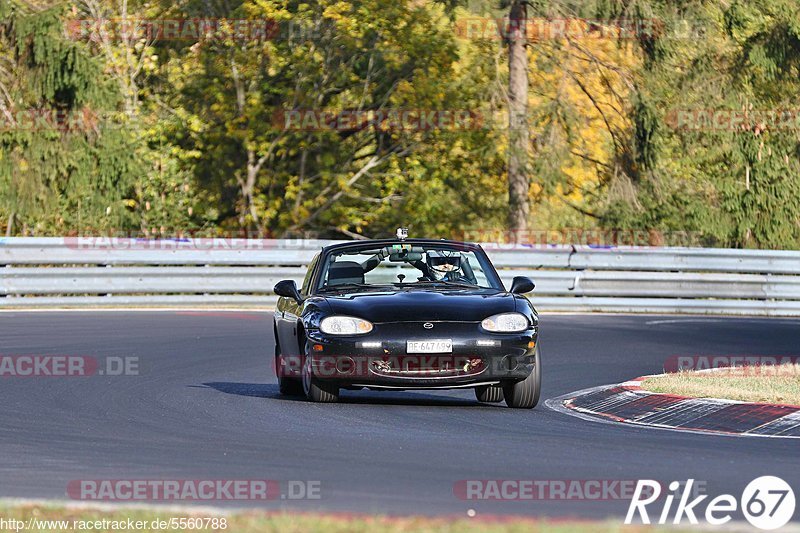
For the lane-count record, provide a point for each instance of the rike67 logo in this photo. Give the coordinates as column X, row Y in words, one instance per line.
column 767, row 503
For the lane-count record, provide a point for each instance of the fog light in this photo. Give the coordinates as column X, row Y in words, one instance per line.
column 371, row 344
column 483, row 342
column 531, row 344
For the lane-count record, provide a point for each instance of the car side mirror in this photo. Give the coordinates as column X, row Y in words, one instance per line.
column 522, row 285
column 288, row 289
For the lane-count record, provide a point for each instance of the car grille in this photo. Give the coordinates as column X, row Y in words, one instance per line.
column 431, row 366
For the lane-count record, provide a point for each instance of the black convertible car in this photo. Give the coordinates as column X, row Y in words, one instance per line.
column 407, row 314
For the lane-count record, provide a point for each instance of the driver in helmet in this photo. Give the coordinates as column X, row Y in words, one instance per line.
column 446, row 266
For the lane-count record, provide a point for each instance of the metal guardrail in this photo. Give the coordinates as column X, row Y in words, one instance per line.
column 96, row 272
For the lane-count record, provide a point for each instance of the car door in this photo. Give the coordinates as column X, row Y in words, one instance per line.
column 288, row 312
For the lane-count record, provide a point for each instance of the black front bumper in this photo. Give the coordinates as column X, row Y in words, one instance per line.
column 380, row 359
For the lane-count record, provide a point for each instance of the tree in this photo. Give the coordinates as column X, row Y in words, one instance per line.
column 63, row 163
column 269, row 176
column 733, row 180
column 519, row 134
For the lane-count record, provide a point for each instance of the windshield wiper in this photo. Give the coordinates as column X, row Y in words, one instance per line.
column 447, row 283
column 345, row 286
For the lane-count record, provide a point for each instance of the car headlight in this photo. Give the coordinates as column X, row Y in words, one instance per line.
column 506, row 323
column 344, row 325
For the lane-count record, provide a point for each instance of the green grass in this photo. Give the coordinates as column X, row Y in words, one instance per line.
column 779, row 384
column 280, row 522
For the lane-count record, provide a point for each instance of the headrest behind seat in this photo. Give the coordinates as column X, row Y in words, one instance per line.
column 342, row 272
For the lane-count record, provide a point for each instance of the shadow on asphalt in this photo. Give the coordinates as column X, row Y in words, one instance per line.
column 254, row 390
column 270, row 391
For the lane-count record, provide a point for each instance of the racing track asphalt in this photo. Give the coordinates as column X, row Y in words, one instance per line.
column 205, row 406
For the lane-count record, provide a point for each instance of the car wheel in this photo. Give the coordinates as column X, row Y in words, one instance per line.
column 525, row 394
column 318, row 390
column 286, row 385
column 489, row 393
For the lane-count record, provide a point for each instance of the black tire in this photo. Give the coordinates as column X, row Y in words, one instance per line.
column 318, row 390
column 286, row 386
column 489, row 393
column 525, row 394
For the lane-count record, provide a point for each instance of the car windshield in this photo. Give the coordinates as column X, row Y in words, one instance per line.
column 407, row 265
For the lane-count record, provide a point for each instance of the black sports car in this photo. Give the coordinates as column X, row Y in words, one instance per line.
column 407, row 314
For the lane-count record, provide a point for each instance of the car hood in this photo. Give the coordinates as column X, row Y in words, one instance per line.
column 415, row 305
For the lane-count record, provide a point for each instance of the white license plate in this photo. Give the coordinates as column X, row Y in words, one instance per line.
column 430, row 346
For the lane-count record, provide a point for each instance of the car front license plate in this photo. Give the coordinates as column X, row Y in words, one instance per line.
column 430, row 346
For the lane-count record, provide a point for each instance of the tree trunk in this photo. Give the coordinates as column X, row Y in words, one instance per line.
column 10, row 227
column 519, row 135
column 248, row 190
